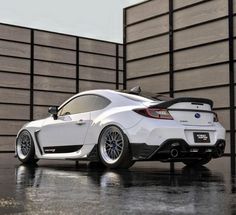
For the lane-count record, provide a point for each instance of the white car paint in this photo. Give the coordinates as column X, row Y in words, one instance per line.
column 139, row 129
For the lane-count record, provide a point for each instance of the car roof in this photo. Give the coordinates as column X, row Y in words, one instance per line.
column 103, row 92
column 115, row 96
column 111, row 94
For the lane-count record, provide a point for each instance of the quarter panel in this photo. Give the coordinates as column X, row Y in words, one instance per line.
column 123, row 117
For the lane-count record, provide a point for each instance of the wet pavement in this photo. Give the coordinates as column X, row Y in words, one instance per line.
column 59, row 187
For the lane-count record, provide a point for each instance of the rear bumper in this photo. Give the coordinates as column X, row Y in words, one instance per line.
column 155, row 132
column 176, row 150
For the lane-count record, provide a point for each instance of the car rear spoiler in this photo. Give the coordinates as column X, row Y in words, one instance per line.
column 183, row 99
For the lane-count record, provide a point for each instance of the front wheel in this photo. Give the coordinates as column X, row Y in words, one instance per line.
column 25, row 148
column 113, row 148
column 193, row 163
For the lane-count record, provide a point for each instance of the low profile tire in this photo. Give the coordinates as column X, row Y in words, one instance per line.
column 193, row 163
column 113, row 148
column 25, row 148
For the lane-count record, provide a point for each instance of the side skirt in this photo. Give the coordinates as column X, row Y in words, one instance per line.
column 92, row 156
column 61, row 149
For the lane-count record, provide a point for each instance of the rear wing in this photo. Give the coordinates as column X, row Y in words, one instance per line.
column 196, row 101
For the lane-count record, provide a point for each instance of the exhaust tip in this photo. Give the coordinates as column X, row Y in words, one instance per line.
column 219, row 152
column 174, row 153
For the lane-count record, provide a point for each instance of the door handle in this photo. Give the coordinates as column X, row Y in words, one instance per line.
column 80, row 122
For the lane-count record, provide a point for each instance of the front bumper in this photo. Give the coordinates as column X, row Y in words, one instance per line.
column 176, row 150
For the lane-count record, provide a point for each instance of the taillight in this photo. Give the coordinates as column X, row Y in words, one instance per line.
column 154, row 113
column 215, row 119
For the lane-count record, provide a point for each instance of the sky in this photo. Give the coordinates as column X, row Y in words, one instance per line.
column 100, row 19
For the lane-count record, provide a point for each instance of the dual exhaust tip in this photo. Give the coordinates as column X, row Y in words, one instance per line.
column 174, row 152
column 218, row 152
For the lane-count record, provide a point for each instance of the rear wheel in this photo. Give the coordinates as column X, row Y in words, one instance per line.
column 201, row 162
column 25, row 148
column 114, row 148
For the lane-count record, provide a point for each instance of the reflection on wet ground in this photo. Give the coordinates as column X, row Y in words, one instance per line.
column 147, row 188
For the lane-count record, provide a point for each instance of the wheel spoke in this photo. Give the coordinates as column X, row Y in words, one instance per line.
column 112, row 155
column 120, row 146
column 109, row 152
column 107, row 139
column 116, row 153
column 119, row 149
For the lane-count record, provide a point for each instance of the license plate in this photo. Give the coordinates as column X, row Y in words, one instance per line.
column 201, row 137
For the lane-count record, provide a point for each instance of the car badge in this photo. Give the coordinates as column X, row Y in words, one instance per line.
column 197, row 115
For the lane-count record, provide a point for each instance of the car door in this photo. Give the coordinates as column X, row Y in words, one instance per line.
column 67, row 133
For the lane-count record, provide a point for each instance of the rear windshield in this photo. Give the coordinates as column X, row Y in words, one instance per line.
column 146, row 97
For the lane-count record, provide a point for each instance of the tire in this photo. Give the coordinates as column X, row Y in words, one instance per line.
column 114, row 149
column 25, row 148
column 193, row 163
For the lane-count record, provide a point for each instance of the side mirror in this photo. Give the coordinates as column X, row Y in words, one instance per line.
column 54, row 111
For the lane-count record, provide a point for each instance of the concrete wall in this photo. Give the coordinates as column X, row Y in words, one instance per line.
column 39, row 69
column 181, row 49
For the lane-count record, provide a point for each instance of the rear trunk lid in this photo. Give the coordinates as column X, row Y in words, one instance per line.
column 189, row 111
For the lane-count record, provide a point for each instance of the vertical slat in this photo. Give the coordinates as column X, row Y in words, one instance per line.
column 171, row 47
column 117, row 66
column 77, row 64
column 32, row 76
column 231, row 78
column 124, row 49
column 171, row 60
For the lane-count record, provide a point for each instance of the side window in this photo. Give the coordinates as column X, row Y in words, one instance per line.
column 84, row 104
column 101, row 103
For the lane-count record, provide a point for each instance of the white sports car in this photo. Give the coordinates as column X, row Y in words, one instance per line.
column 118, row 128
